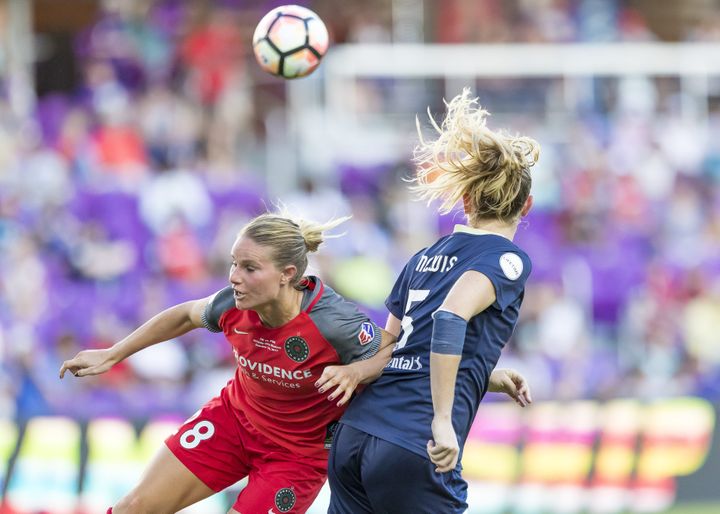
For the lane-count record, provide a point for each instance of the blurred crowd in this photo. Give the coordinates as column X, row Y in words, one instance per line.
column 123, row 198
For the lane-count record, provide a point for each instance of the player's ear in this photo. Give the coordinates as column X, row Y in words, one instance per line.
column 528, row 205
column 466, row 203
column 288, row 274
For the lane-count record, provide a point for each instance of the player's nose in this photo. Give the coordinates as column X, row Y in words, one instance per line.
column 234, row 277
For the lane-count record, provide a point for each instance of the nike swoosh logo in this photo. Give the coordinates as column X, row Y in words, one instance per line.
column 240, row 332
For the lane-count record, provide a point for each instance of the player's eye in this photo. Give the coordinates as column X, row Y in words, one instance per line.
column 250, row 269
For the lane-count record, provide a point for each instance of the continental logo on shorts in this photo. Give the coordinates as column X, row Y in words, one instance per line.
column 297, row 349
column 285, row 499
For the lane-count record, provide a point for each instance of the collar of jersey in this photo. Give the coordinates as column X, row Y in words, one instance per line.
column 475, row 231
column 311, row 288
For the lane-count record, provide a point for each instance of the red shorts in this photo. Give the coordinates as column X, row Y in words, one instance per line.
column 219, row 446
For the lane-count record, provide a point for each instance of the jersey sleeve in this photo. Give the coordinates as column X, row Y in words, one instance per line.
column 507, row 271
column 348, row 330
column 220, row 303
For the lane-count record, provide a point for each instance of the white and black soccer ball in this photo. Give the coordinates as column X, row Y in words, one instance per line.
column 290, row 41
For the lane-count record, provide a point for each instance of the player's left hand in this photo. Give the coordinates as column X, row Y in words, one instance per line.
column 344, row 379
column 511, row 383
column 443, row 449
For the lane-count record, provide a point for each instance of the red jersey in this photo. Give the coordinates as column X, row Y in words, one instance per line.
column 277, row 367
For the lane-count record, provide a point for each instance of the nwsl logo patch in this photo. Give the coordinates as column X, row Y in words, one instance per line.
column 367, row 333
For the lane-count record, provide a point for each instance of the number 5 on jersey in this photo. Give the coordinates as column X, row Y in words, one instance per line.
column 414, row 296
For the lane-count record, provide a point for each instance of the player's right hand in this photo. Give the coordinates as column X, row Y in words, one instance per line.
column 443, row 449
column 344, row 379
column 88, row 362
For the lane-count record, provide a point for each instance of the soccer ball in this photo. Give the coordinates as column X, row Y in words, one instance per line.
column 290, row 41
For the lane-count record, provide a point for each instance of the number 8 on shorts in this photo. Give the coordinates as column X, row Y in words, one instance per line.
column 200, row 432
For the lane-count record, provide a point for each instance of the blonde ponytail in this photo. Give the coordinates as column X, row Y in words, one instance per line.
column 314, row 233
column 467, row 158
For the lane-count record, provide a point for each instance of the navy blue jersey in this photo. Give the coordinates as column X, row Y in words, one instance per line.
column 398, row 406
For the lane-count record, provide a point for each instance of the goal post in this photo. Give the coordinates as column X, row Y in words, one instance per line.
column 325, row 109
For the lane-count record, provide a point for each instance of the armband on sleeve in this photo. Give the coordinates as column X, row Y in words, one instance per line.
column 448, row 335
column 216, row 307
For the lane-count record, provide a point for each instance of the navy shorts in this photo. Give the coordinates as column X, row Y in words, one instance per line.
column 370, row 475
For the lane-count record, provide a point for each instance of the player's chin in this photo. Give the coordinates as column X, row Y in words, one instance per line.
column 243, row 302
column 248, row 304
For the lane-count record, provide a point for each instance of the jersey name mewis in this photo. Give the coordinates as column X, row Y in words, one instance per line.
column 435, row 263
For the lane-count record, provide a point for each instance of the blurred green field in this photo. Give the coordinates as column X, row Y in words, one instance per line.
column 695, row 508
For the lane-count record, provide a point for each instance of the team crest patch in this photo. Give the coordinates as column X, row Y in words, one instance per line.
column 297, row 349
column 367, row 333
column 285, row 499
